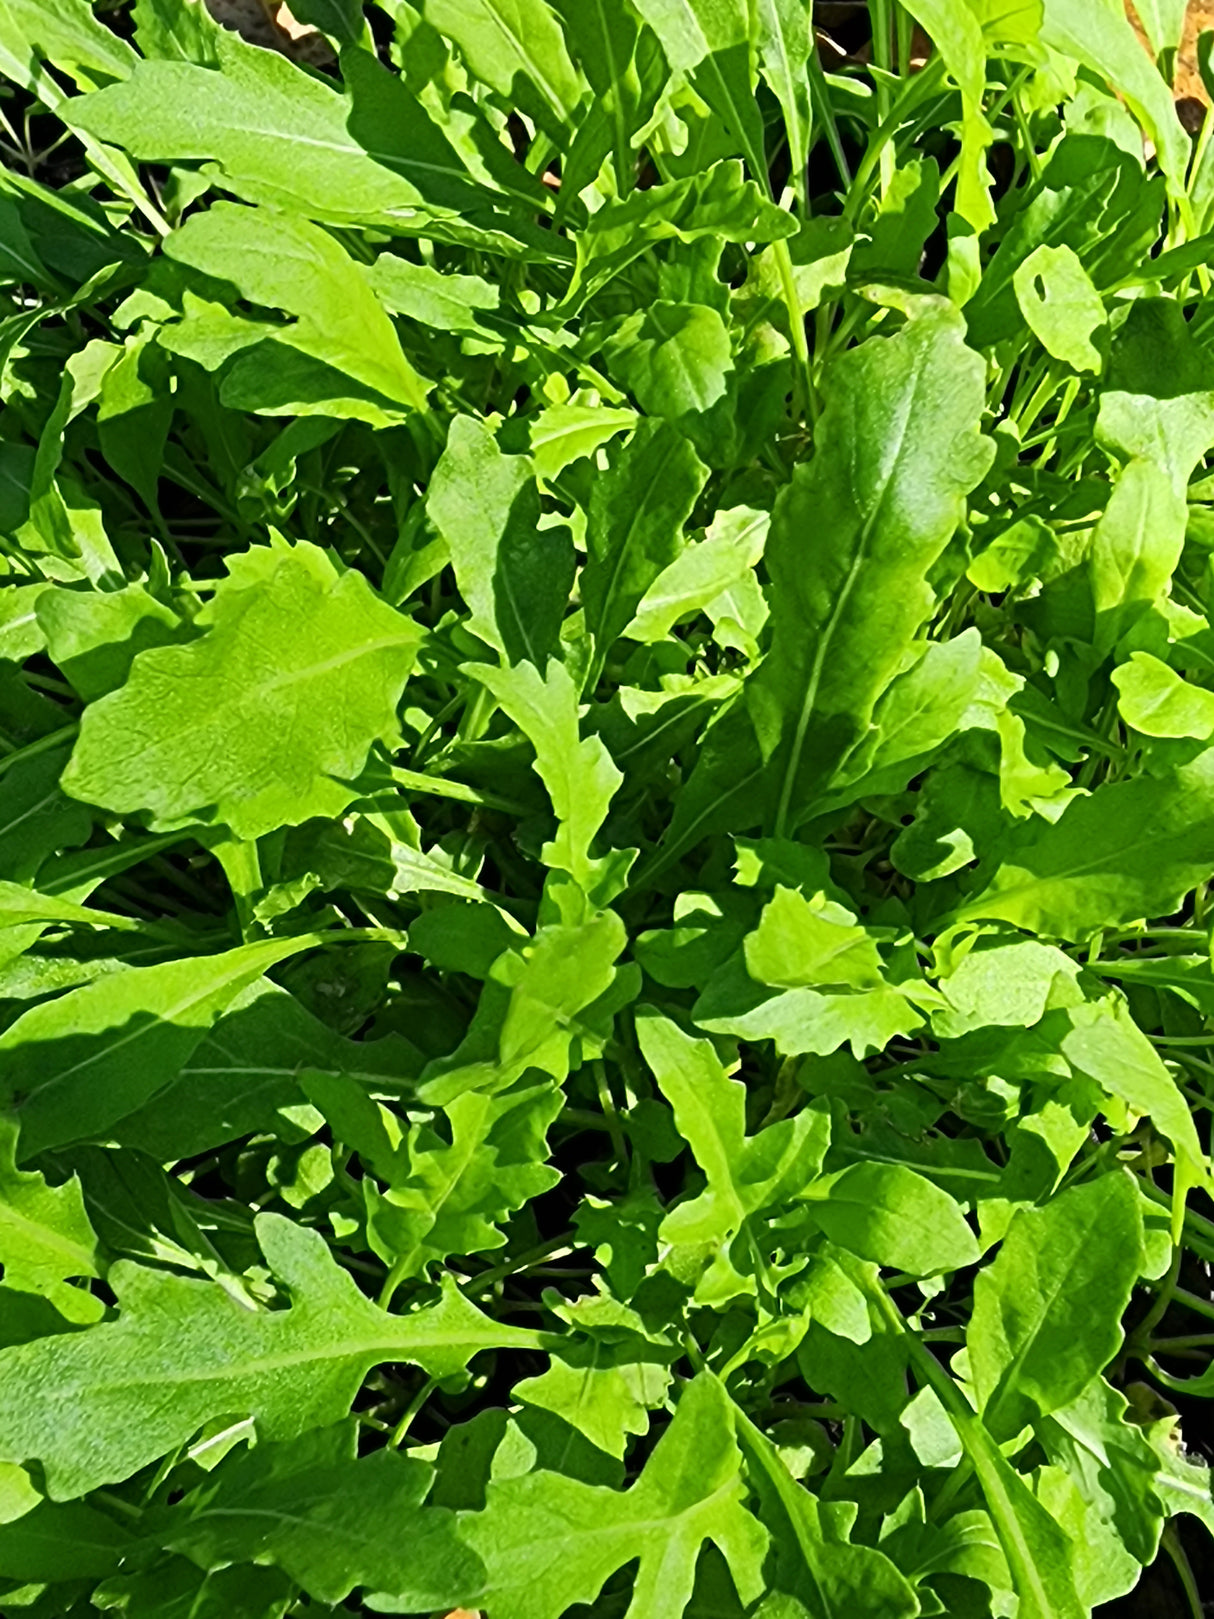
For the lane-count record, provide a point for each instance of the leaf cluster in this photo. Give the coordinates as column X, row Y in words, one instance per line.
column 606, row 810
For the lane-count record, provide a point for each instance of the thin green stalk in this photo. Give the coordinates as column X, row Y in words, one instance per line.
column 823, row 106
column 906, row 38
column 1163, row 1299
column 882, row 60
column 440, row 787
column 915, row 90
column 514, row 1267
column 1027, row 145
column 611, row 1115
column 411, row 1411
column 1171, row 1544
column 1194, row 1302
column 802, row 374
column 44, row 744
column 1193, row 1340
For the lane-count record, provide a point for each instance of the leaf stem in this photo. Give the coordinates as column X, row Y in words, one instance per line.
column 1180, row 1561
column 440, row 787
column 411, row 1411
column 803, row 381
column 43, row 744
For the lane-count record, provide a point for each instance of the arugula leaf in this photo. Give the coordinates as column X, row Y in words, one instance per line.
column 1089, row 869
column 46, row 1238
column 514, row 577
column 330, row 1521
column 898, row 448
column 446, row 1198
column 1101, row 38
column 289, row 264
column 744, row 1175
column 1058, row 300
column 517, row 47
column 888, row 1213
column 77, row 1065
column 634, row 527
column 690, row 1492
column 825, row 1573
column 259, row 722
column 252, row 117
column 577, row 771
column 1047, row 1311
column 179, row 1589
column 709, row 40
column 183, row 1352
column 61, row 1541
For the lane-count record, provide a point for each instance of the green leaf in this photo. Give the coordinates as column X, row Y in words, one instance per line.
column 710, row 41
column 446, row 303
column 548, row 1540
column 1113, row 1464
column 784, row 41
column 1163, row 21
column 1172, row 431
column 95, row 1406
column 623, row 63
column 898, row 447
column 176, row 31
column 1099, row 35
column 1108, row 1046
column 253, row 116
column 179, row 1589
column 65, row 32
column 953, row 24
column 20, row 905
column 804, row 1020
column 1135, row 548
column 745, row 1175
column 62, row 1541
column 1038, row 1551
column 798, row 943
column 717, row 205
column 562, row 434
column 602, row 1391
column 1011, row 984
column 46, row 1238
column 702, row 573
column 1061, row 305
column 517, row 47
column 1047, row 1312
column 286, row 263
column 673, row 358
column 262, row 720
column 95, row 636
column 515, row 576
column 327, row 1519
column 577, row 771
column 448, row 1197
column 76, row 1065
column 889, row 1214
column 1156, row 701
column 342, row 20
column 824, row 1575
column 536, row 1002
column 635, row 526
column 242, row 1077
column 1132, row 849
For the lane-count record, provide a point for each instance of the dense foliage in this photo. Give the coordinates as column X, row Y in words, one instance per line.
column 606, row 807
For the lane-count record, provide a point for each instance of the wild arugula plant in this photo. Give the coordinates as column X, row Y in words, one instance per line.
column 606, row 807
